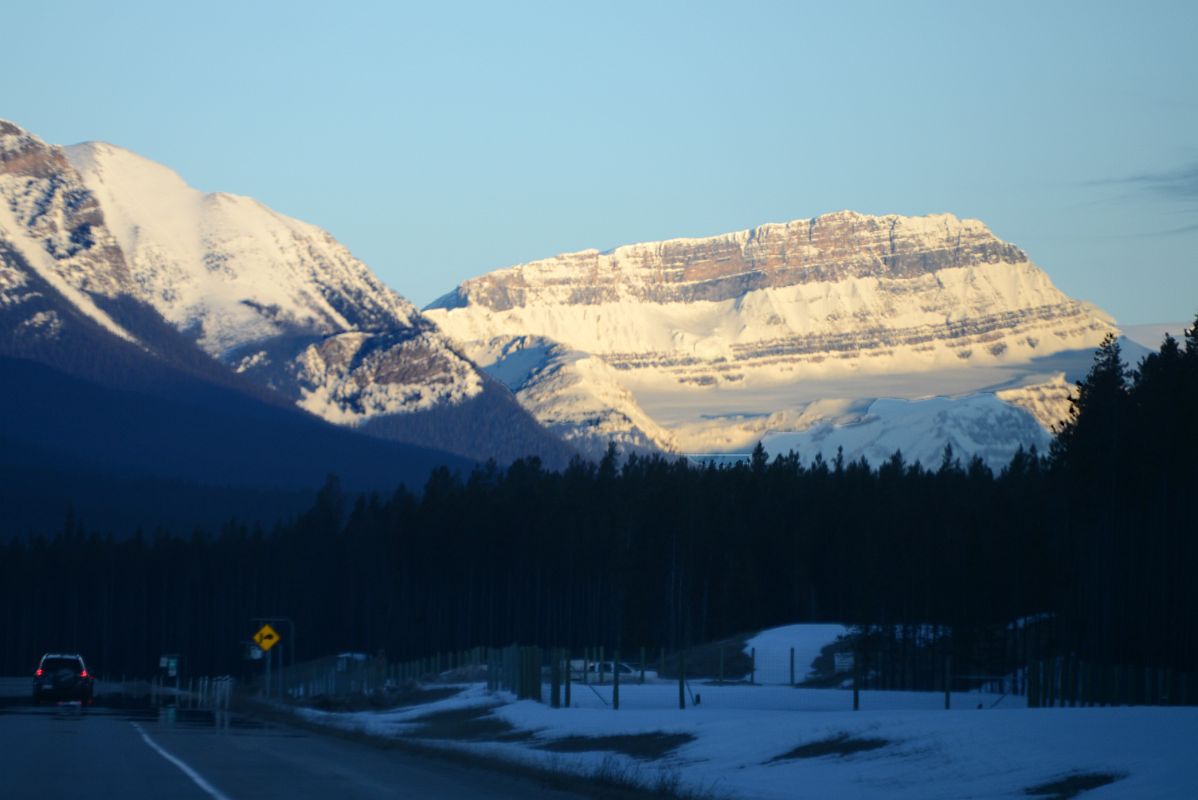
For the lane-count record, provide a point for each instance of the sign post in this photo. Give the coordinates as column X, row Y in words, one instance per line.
column 266, row 638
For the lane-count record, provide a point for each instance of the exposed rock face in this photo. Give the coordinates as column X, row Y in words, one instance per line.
column 828, row 249
column 841, row 291
column 840, row 296
column 98, row 230
column 53, row 241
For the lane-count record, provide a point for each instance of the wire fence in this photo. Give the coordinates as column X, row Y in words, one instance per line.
column 559, row 676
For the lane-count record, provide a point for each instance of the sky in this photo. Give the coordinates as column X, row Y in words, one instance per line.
column 442, row 140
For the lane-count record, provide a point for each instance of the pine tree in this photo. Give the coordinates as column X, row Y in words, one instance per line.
column 1092, row 439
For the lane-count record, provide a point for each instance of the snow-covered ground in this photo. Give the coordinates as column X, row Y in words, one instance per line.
column 735, row 739
column 995, row 752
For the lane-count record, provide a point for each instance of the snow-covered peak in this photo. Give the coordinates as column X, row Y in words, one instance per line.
column 227, row 266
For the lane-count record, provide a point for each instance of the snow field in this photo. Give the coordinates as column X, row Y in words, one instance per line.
column 929, row 753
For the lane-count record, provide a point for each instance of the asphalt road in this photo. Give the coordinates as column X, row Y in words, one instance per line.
column 67, row 751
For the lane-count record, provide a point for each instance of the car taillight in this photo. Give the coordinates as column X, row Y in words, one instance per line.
column 39, row 673
column 83, row 674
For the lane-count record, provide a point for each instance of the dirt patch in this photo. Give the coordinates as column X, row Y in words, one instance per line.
column 384, row 701
column 1073, row 785
column 842, row 745
column 645, row 746
column 473, row 724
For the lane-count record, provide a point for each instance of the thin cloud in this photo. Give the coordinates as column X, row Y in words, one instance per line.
column 1184, row 229
column 1176, row 184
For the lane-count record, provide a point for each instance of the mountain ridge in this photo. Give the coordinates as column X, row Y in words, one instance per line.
column 840, row 297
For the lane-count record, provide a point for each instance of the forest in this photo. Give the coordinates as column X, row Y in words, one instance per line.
column 1096, row 538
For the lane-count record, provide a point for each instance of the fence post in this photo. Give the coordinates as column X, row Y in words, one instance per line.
column 642, row 663
column 948, row 680
column 568, row 677
column 792, row 666
column 857, row 678
column 661, row 664
column 681, row 680
column 753, row 666
column 555, row 678
column 601, row 665
column 534, row 671
column 615, row 680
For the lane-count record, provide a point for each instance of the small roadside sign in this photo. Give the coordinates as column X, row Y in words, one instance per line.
column 266, row 638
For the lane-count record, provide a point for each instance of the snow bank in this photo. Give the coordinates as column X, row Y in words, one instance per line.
column 773, row 649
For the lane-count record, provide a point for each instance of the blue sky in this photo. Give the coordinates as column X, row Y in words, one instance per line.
column 442, row 140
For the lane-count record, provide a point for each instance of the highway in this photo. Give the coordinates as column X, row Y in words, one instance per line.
column 67, row 751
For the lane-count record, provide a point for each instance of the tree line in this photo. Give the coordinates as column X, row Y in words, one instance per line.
column 1096, row 539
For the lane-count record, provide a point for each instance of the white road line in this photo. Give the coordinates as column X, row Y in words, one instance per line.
column 196, row 777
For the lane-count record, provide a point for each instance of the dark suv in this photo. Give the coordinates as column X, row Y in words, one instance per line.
column 62, row 676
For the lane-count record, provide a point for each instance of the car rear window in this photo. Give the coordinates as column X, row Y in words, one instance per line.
column 55, row 664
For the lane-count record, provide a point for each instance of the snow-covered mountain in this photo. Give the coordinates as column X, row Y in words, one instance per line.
column 711, row 344
column 98, row 230
column 270, row 295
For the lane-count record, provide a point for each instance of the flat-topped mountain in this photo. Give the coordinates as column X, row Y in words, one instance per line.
column 706, row 333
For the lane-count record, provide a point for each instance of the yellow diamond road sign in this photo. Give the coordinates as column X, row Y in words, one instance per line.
column 266, row 638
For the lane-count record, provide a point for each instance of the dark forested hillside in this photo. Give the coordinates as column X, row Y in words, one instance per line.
column 117, row 454
column 1098, row 537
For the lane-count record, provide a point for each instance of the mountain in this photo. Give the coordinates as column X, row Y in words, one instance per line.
column 224, row 288
column 709, row 344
